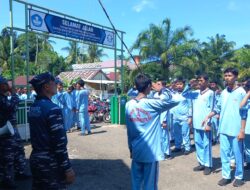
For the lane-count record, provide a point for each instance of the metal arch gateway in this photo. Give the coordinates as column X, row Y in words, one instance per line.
column 43, row 21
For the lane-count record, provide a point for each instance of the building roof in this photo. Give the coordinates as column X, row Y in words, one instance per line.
column 85, row 74
column 111, row 76
column 21, row 80
column 102, row 65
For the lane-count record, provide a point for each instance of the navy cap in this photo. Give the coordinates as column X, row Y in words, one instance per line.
column 3, row 80
column 41, row 79
column 58, row 81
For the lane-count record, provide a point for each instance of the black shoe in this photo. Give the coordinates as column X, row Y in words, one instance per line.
column 207, row 170
column 168, row 157
column 224, row 182
column 8, row 184
column 186, row 152
column 176, row 150
column 247, row 167
column 22, row 176
column 238, row 182
column 198, row 168
column 89, row 133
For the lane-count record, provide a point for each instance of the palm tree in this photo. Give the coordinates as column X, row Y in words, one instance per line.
column 163, row 43
column 94, row 53
column 72, row 50
column 242, row 61
column 46, row 42
column 214, row 54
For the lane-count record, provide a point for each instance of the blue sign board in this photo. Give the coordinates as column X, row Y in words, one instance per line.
column 69, row 28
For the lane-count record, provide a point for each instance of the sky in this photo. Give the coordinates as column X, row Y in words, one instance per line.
column 205, row 17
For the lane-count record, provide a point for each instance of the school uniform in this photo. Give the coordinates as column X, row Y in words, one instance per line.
column 229, row 128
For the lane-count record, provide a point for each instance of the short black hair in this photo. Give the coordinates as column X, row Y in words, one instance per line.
column 180, row 79
column 213, row 81
column 80, row 82
column 234, row 71
column 204, row 76
column 142, row 82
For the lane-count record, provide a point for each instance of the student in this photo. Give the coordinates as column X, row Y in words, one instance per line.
column 215, row 120
column 231, row 133
column 68, row 107
column 75, row 97
column 56, row 98
column 182, row 120
column 144, row 134
column 49, row 161
column 245, row 123
column 164, row 121
column 82, row 107
column 24, row 95
column 203, row 101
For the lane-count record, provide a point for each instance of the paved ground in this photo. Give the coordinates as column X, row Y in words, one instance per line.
column 101, row 162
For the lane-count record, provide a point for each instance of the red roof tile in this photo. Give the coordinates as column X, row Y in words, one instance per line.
column 85, row 75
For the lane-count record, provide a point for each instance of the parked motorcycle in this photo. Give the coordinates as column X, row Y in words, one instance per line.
column 99, row 111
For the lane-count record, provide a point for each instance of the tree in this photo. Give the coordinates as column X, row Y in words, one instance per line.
column 73, row 51
column 95, row 54
column 242, row 62
column 5, row 51
column 214, row 54
column 163, row 43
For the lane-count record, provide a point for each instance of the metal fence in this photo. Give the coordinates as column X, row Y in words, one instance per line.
column 22, row 119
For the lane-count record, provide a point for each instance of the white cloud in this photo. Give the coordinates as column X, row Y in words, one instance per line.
column 142, row 5
column 232, row 6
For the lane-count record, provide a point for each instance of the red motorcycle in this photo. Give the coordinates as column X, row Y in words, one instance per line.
column 99, row 111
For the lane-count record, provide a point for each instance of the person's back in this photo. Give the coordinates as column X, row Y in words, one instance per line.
column 83, row 100
column 144, row 134
column 41, row 122
column 82, row 107
column 144, row 129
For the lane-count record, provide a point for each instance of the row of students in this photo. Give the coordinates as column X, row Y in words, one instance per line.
column 204, row 106
column 74, row 105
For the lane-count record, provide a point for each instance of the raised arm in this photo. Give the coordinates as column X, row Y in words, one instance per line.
column 244, row 101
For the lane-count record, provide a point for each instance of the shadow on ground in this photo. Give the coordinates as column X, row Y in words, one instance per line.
column 94, row 175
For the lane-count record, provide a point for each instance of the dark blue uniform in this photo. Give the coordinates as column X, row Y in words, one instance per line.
column 49, row 158
column 7, row 142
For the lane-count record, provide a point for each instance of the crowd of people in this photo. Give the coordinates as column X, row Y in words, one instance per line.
column 158, row 114
column 53, row 113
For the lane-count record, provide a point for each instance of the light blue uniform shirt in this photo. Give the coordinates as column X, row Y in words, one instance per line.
column 228, row 108
column 144, row 128
column 202, row 105
column 56, row 97
column 182, row 111
column 162, row 95
column 67, row 102
column 82, row 100
column 245, row 115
